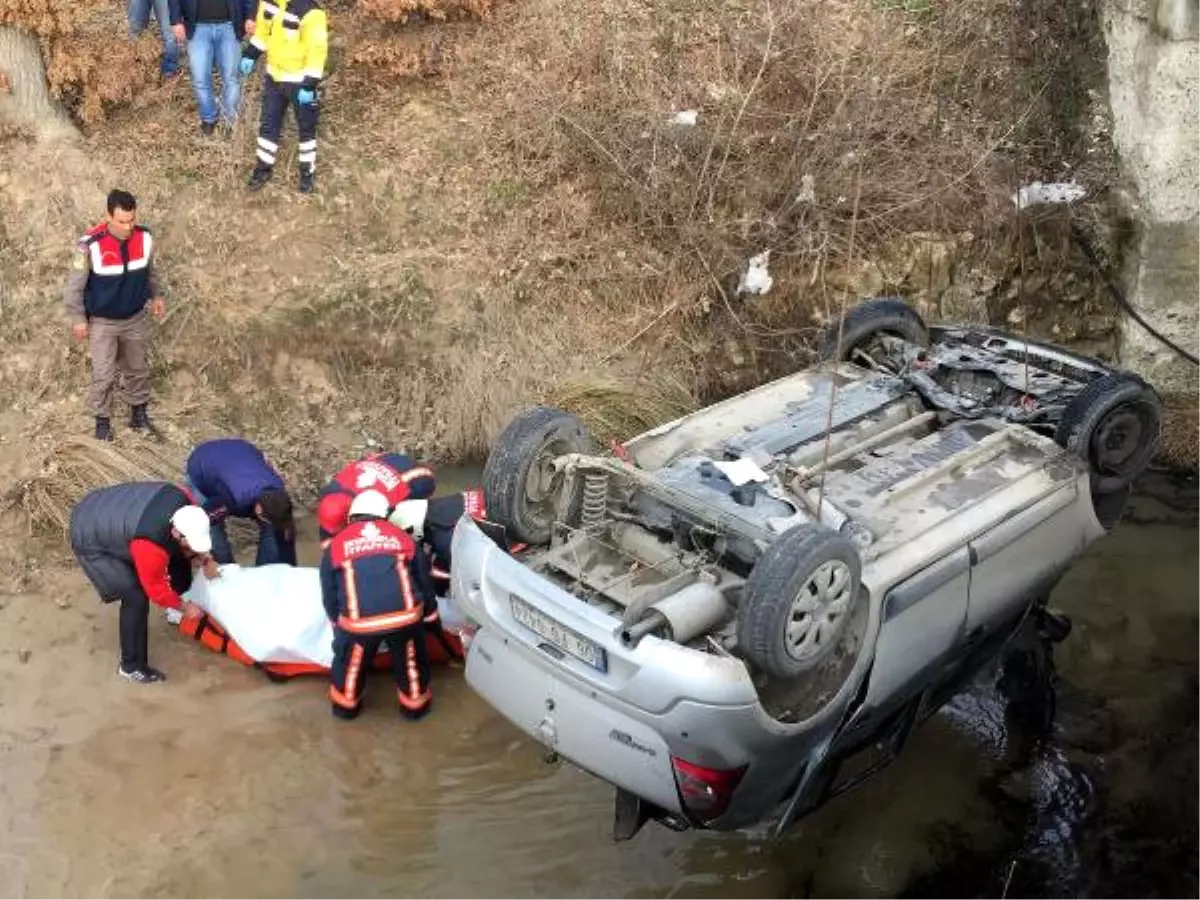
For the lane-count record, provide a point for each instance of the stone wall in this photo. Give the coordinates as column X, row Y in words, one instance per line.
column 1153, row 88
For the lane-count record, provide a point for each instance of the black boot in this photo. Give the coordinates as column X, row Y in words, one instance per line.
column 103, row 429
column 260, row 176
column 139, row 419
column 307, row 181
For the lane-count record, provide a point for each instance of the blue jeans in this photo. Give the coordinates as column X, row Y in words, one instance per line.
column 215, row 41
column 138, row 13
column 273, row 546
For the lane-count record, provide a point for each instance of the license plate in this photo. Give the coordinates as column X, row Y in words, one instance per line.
column 559, row 635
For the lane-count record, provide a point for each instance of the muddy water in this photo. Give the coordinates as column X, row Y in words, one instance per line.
column 222, row 784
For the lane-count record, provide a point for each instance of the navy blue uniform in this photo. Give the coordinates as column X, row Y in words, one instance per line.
column 441, row 516
column 376, row 587
column 230, row 475
column 395, row 475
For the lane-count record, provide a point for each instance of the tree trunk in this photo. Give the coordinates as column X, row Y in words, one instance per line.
column 25, row 100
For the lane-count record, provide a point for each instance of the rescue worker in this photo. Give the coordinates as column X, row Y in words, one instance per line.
column 111, row 282
column 373, row 592
column 293, row 35
column 395, row 475
column 232, row 479
column 431, row 522
column 138, row 543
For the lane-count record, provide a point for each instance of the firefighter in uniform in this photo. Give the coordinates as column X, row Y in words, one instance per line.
column 138, row 543
column 431, row 523
column 294, row 36
column 395, row 475
column 374, row 590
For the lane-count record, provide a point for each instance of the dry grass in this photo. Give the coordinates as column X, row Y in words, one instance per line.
column 1180, row 447
column 74, row 466
column 823, row 130
column 616, row 412
column 530, row 226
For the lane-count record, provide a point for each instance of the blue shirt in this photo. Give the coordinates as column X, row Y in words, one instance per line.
column 232, row 474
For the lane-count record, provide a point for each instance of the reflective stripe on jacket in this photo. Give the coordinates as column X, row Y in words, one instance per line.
column 367, row 583
column 294, row 36
column 120, row 278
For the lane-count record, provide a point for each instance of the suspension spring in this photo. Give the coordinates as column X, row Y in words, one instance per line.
column 595, row 501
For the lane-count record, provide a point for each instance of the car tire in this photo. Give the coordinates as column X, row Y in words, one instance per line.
column 882, row 315
column 798, row 601
column 528, row 443
column 1113, row 424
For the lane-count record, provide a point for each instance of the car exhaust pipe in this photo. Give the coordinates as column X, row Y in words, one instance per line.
column 682, row 616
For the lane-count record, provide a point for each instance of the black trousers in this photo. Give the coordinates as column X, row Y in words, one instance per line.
column 276, row 97
column 352, row 658
column 134, row 630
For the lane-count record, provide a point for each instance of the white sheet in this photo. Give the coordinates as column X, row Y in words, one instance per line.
column 275, row 613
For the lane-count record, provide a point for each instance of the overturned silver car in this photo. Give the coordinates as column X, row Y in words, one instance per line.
column 731, row 612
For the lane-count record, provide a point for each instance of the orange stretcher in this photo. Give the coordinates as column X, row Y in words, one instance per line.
column 443, row 647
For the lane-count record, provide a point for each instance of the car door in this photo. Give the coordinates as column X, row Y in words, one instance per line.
column 922, row 624
column 1022, row 557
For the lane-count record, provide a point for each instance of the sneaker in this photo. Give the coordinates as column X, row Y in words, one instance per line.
column 141, row 676
column 207, row 128
column 103, row 429
column 306, row 182
column 260, row 176
column 139, row 419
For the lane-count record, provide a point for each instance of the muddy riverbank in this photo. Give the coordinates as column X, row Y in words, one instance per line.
column 220, row 783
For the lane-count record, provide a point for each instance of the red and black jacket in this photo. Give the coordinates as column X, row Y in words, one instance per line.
column 120, row 280
column 373, row 580
column 394, row 475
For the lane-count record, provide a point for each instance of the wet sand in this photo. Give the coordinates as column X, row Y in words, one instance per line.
column 219, row 783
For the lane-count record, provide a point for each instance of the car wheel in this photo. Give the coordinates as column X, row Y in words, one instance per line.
column 798, row 599
column 521, row 491
column 861, row 326
column 1113, row 424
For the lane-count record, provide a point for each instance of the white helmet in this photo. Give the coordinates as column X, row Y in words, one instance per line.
column 369, row 503
column 410, row 516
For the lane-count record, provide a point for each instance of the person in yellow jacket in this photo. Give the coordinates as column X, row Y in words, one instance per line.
column 294, row 36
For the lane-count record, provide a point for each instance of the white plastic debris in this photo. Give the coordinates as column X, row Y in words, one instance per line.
column 741, row 471
column 1056, row 192
column 756, row 279
column 684, row 117
column 808, row 190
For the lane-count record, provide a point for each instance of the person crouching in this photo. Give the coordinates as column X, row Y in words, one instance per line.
column 232, row 479
column 371, row 594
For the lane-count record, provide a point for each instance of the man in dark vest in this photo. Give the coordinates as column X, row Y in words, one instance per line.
column 232, row 478
column 138, row 543
column 111, row 282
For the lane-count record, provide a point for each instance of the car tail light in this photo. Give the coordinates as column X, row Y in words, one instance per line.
column 466, row 633
column 705, row 792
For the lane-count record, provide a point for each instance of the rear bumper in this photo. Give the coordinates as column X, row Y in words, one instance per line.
column 605, row 741
column 624, row 724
